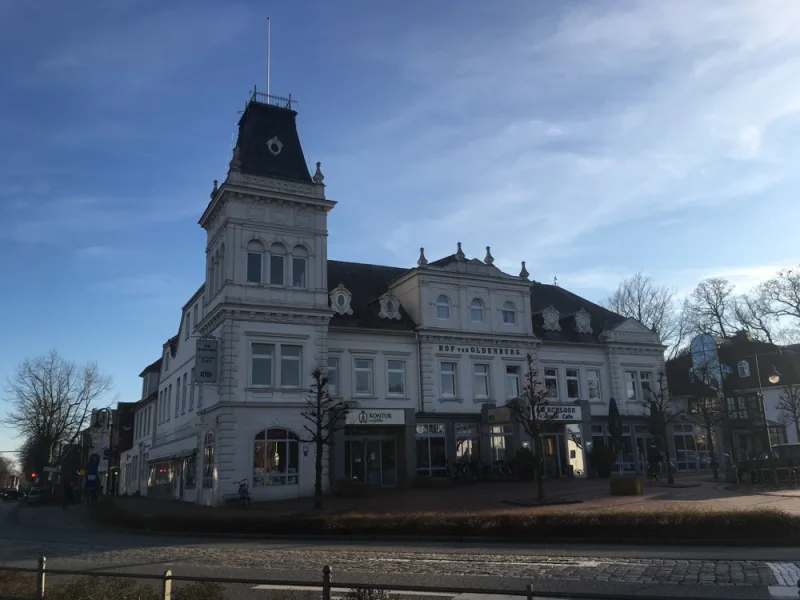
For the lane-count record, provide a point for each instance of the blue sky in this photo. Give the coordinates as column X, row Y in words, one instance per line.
column 591, row 139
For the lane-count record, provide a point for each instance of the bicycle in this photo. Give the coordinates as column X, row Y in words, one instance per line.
column 243, row 495
column 654, row 473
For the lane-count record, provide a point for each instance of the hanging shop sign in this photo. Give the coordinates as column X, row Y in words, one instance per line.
column 206, row 360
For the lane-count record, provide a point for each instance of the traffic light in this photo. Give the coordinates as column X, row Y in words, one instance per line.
column 33, row 475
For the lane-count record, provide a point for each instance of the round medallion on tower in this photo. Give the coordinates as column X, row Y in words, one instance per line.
column 274, row 145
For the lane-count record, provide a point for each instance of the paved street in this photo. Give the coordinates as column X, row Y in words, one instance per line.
column 68, row 541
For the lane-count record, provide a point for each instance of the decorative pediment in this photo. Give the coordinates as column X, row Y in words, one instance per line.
column 550, row 317
column 390, row 307
column 583, row 321
column 630, row 331
column 340, row 300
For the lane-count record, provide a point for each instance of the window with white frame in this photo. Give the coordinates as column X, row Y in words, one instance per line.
column 593, row 382
column 362, row 375
column 194, row 315
column 509, row 313
column 333, row 376
column 169, row 402
column 476, row 310
column 262, row 365
column 277, row 264
column 645, row 381
column 551, row 382
column 291, row 368
column 191, row 390
column 512, row 381
column 744, row 368
column 298, row 272
column 185, row 393
column 448, row 379
column 480, row 380
column 396, row 377
column 442, row 307
column 631, row 381
column 255, row 262
column 188, row 325
column 178, row 397
column 573, row 384
column 468, row 443
column 431, row 450
column 276, row 457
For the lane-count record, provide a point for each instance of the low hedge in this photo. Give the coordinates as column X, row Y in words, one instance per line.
column 608, row 525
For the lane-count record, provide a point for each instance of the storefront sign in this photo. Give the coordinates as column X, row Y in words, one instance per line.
column 499, row 415
column 559, row 413
column 459, row 349
column 205, row 361
column 357, row 416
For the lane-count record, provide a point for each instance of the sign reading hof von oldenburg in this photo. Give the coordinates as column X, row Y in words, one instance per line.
column 205, row 361
column 559, row 413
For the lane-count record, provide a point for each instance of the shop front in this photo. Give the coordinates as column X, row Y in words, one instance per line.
column 375, row 447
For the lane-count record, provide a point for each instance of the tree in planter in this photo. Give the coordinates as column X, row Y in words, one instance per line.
column 662, row 413
column 789, row 405
column 326, row 417
column 530, row 410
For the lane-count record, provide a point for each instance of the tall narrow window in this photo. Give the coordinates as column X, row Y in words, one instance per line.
column 191, row 390
column 254, row 267
column 187, row 325
column 333, row 376
column 476, row 310
column 573, row 384
column 208, row 460
column 512, row 381
column 194, row 315
column 551, row 382
column 630, row 385
column 277, row 264
column 290, row 366
column 448, row 379
column 262, row 365
column 396, row 377
column 185, row 393
column 744, row 368
column 645, row 379
column 169, row 402
column 593, row 381
column 442, row 307
column 178, row 397
column 509, row 313
column 480, row 380
column 363, row 376
column 299, row 266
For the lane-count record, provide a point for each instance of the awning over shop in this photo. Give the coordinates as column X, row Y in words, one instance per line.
column 175, row 456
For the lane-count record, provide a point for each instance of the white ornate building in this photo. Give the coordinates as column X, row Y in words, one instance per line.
column 425, row 357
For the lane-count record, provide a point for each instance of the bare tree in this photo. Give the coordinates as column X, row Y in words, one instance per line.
column 51, row 401
column 326, row 416
column 662, row 412
column 708, row 405
column 640, row 298
column 783, row 292
column 6, row 471
column 709, row 307
column 752, row 312
column 531, row 410
column 789, row 405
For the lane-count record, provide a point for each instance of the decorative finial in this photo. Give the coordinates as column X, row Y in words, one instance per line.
column 215, row 189
column 524, row 272
column 555, row 280
column 460, row 253
column 489, row 258
column 318, row 176
column 236, row 162
column 422, row 261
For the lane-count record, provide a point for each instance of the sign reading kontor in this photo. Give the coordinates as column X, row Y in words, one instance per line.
column 357, row 416
column 205, row 361
column 559, row 413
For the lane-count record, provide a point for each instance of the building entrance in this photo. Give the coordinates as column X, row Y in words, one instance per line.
column 371, row 460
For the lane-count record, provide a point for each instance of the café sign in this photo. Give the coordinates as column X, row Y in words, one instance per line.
column 358, row 416
column 553, row 412
column 493, row 350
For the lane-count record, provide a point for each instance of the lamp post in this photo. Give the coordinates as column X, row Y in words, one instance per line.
column 773, row 378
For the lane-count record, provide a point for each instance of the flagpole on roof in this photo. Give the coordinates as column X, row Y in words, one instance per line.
column 268, row 57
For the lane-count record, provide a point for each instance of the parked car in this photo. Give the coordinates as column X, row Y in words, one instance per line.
column 36, row 495
column 9, row 495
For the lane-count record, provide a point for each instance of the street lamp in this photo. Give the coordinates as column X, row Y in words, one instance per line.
column 773, row 378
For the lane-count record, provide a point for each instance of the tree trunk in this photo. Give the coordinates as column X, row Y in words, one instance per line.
column 318, row 475
column 797, row 428
column 670, row 477
column 712, row 451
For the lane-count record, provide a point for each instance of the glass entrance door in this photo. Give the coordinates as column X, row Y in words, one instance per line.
column 551, row 455
column 372, row 461
column 373, row 456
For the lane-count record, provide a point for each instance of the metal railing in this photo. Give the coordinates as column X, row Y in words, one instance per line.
column 167, row 578
column 271, row 99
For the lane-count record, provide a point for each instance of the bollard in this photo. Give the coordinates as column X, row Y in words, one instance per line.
column 167, row 588
column 40, row 578
column 529, row 589
column 326, row 583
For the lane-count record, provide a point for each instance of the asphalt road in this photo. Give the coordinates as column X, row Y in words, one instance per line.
column 69, row 541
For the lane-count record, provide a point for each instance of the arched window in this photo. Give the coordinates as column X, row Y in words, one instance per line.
column 442, row 307
column 277, row 264
column 276, row 457
column 744, row 368
column 299, row 266
column 255, row 258
column 208, row 460
column 476, row 310
column 509, row 313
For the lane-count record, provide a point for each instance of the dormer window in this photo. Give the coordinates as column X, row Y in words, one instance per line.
column 476, row 310
column 340, row 298
column 509, row 313
column 744, row 368
column 390, row 307
column 442, row 307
